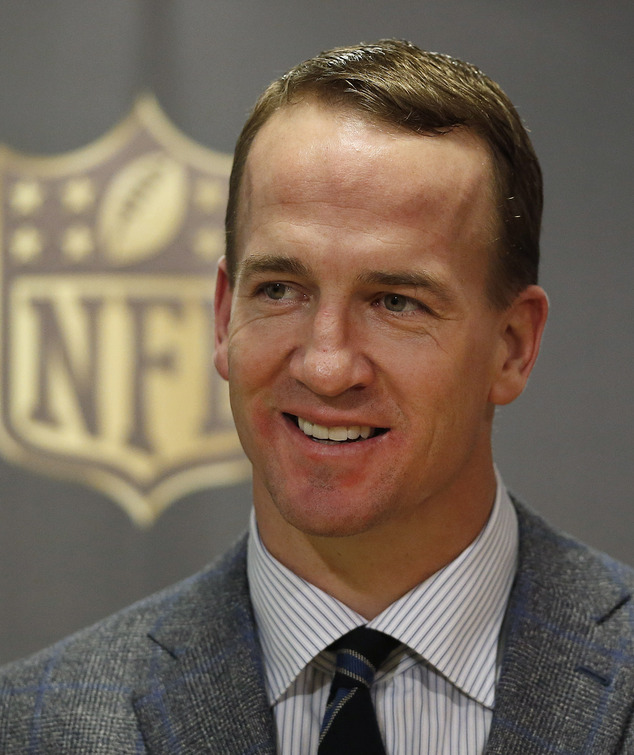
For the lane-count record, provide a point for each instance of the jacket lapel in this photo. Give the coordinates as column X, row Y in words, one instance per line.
column 205, row 691
column 566, row 685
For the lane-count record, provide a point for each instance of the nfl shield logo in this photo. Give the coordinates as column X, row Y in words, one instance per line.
column 108, row 263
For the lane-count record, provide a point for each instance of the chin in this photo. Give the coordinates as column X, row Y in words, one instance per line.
column 325, row 516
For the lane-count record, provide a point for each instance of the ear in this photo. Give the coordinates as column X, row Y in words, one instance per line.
column 222, row 316
column 523, row 324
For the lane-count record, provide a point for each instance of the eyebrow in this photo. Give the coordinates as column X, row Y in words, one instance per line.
column 411, row 279
column 279, row 263
column 272, row 263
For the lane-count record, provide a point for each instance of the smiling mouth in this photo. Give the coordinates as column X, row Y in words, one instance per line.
column 337, row 434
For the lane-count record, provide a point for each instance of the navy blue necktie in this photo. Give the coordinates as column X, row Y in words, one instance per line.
column 349, row 726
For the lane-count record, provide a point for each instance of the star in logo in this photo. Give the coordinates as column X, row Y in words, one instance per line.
column 77, row 242
column 209, row 243
column 26, row 197
column 26, row 243
column 78, row 194
column 209, row 196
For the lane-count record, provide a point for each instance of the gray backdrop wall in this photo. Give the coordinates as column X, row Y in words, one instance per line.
column 70, row 69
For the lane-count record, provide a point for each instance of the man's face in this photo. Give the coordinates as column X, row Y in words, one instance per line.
column 362, row 352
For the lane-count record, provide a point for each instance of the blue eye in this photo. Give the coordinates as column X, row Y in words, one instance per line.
column 275, row 290
column 397, row 303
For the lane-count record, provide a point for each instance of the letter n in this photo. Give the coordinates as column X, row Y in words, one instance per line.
column 80, row 374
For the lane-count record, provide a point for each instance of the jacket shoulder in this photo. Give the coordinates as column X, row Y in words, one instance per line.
column 87, row 680
column 568, row 569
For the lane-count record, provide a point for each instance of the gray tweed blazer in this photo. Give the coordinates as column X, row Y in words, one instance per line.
column 181, row 672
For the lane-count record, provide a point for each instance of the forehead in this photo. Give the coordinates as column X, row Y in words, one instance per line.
column 310, row 156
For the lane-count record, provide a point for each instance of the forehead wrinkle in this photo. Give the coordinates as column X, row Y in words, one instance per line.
column 364, row 221
column 365, row 212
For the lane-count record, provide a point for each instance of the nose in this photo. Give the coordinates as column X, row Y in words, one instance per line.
column 331, row 359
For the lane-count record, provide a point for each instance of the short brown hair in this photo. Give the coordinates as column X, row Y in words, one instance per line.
column 394, row 81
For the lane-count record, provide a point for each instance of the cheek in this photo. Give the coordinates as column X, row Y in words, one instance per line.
column 241, row 365
column 253, row 367
column 259, row 350
column 249, row 416
column 446, row 383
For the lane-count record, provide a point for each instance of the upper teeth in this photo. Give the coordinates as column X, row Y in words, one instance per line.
column 341, row 433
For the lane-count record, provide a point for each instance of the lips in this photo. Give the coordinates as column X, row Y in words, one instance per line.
column 336, row 433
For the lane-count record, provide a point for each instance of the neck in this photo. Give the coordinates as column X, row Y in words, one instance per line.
column 370, row 570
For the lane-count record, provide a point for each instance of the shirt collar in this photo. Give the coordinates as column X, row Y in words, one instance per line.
column 451, row 620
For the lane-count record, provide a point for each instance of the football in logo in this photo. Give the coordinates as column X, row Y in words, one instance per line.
column 143, row 207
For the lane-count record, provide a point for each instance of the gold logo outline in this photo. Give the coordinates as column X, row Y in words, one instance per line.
column 142, row 507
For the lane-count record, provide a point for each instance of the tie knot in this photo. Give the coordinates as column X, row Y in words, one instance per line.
column 359, row 654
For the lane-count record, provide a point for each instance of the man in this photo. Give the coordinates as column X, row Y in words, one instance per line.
column 377, row 301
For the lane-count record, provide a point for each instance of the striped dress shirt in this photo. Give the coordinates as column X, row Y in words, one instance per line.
column 435, row 693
